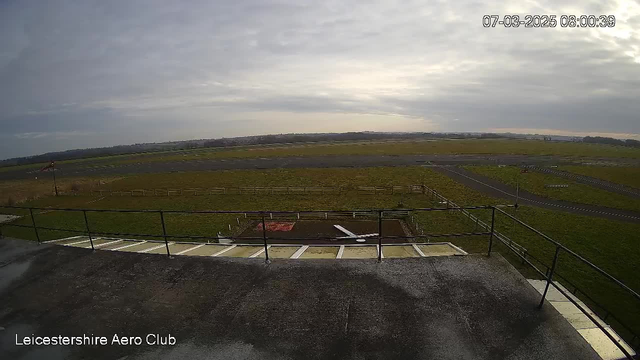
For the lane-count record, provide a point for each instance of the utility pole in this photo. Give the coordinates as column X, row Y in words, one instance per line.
column 53, row 169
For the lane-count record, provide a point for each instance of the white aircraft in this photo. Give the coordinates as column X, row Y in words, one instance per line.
column 350, row 235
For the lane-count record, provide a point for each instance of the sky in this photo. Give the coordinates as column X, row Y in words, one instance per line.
column 76, row 74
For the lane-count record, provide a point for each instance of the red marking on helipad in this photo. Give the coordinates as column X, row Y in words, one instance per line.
column 276, row 226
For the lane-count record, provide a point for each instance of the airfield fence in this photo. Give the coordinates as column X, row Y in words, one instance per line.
column 482, row 228
column 289, row 190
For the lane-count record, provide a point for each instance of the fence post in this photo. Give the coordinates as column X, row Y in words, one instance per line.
column 86, row 224
column 264, row 238
column 493, row 222
column 35, row 228
column 550, row 276
column 164, row 233
column 379, row 235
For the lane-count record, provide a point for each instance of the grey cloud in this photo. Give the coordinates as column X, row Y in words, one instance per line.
column 113, row 70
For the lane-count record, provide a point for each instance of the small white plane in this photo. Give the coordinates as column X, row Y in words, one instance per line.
column 350, row 235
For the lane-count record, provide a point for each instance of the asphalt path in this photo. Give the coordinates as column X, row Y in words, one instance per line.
column 498, row 189
column 588, row 180
column 88, row 169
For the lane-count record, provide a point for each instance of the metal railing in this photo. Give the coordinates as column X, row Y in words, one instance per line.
column 548, row 275
column 488, row 229
column 262, row 216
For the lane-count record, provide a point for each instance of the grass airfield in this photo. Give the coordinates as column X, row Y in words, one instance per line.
column 611, row 245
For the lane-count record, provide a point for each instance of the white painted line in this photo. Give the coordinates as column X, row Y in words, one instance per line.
column 225, row 250
column 340, row 252
column 76, row 243
column 153, row 248
column 130, row 245
column 417, row 249
column 457, row 248
column 189, row 249
column 107, row 243
column 259, row 252
column 67, row 238
column 299, row 252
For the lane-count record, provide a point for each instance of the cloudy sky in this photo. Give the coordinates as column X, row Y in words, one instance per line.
column 87, row 73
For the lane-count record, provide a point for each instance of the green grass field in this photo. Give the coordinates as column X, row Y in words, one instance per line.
column 534, row 182
column 479, row 146
column 467, row 146
column 629, row 176
column 609, row 244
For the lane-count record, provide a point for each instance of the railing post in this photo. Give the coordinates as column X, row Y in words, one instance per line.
column 35, row 228
column 379, row 235
column 86, row 224
column 550, row 276
column 264, row 238
column 493, row 223
column 164, row 234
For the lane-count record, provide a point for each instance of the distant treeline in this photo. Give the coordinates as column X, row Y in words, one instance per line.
column 611, row 141
column 230, row 142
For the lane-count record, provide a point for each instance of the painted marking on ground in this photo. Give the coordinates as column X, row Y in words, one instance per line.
column 63, row 239
column 130, row 245
column 225, row 250
column 153, row 248
column 257, row 253
column 417, row 249
column 300, row 251
column 76, row 243
column 193, row 248
column 108, row 243
column 340, row 252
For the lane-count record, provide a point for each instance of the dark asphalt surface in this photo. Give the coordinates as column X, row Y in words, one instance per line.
column 467, row 307
column 588, row 180
column 498, row 189
column 88, row 169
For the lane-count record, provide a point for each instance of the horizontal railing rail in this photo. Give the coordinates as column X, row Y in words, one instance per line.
column 486, row 229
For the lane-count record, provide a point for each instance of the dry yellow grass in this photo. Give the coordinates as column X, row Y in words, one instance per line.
column 17, row 191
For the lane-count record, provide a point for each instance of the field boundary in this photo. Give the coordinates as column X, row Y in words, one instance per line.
column 255, row 190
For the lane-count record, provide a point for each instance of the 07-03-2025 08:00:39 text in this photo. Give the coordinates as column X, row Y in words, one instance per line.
column 549, row 21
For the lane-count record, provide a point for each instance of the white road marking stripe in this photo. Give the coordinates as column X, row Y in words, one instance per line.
column 225, row 250
column 457, row 248
column 107, row 243
column 340, row 252
column 130, row 245
column 153, row 248
column 76, row 243
column 417, row 249
column 67, row 238
column 189, row 249
column 299, row 252
column 259, row 252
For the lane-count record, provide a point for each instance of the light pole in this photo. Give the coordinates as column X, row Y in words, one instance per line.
column 53, row 170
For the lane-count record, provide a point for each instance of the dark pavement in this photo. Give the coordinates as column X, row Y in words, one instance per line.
column 498, row 189
column 99, row 168
column 463, row 307
column 589, row 180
